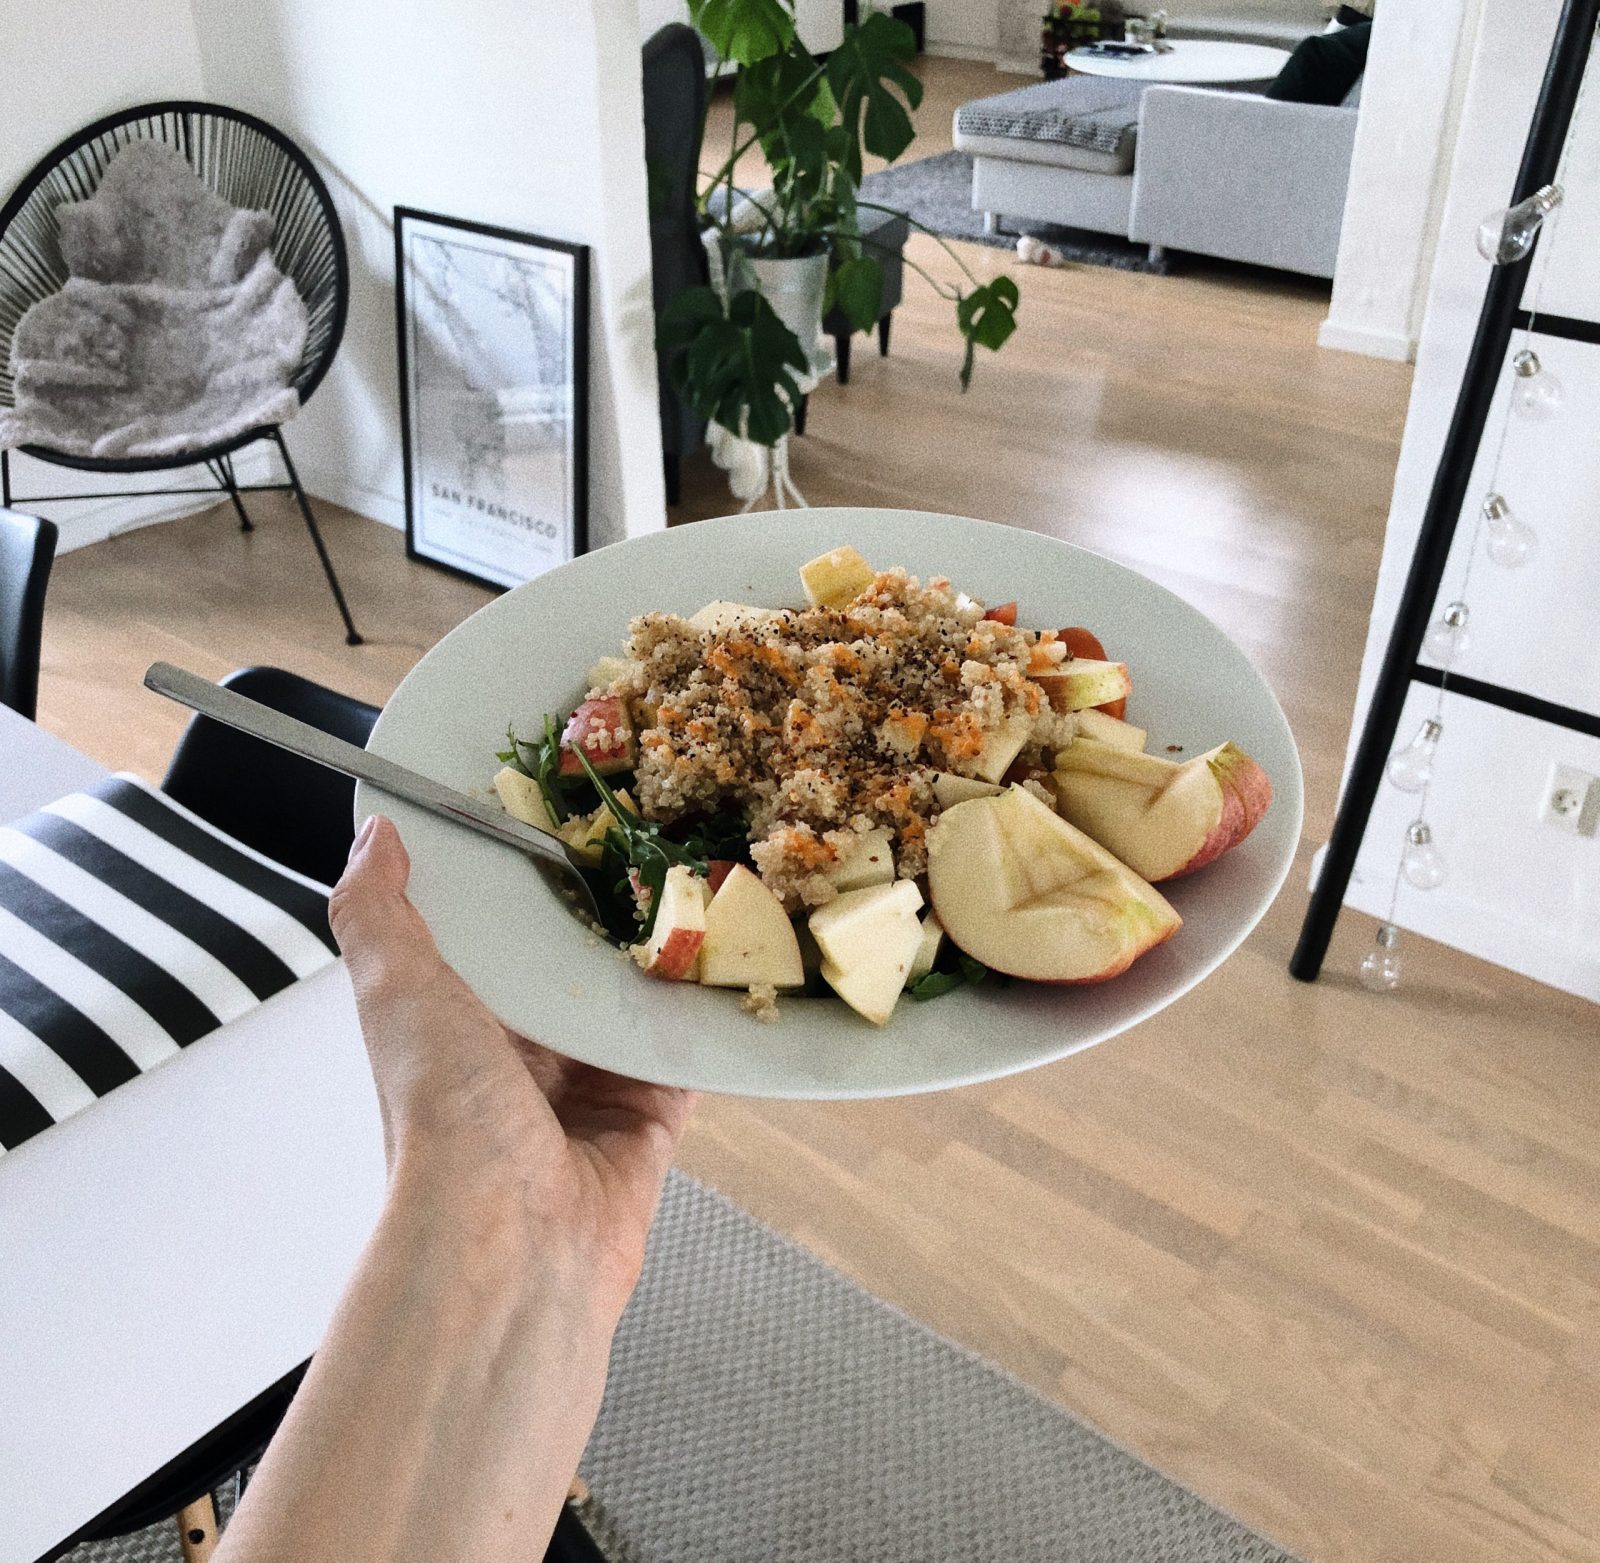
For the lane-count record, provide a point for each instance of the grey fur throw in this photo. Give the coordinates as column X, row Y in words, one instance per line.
column 174, row 330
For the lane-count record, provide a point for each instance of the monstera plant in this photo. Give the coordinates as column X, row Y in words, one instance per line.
column 732, row 356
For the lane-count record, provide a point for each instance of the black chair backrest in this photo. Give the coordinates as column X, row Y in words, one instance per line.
column 674, row 113
column 244, row 159
column 297, row 813
column 27, row 549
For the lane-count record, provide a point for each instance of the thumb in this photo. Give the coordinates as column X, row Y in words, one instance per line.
column 380, row 933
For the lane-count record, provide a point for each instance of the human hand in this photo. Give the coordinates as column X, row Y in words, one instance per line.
column 489, row 1126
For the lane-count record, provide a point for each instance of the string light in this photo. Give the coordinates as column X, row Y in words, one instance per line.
column 1380, row 967
column 1506, row 236
column 1511, row 541
column 1421, row 864
column 1536, row 394
column 1411, row 769
column 1448, row 638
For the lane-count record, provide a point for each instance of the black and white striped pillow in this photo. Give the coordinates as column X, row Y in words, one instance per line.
column 130, row 928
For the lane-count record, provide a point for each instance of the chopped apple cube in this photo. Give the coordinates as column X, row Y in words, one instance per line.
column 749, row 938
column 868, row 940
column 835, row 578
column 868, row 860
column 521, row 799
column 1111, row 730
column 587, row 836
column 606, row 672
column 950, row 789
column 1026, row 893
column 1002, row 746
column 928, row 951
column 680, row 928
column 604, row 731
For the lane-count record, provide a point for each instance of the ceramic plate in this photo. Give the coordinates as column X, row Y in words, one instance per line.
column 530, row 651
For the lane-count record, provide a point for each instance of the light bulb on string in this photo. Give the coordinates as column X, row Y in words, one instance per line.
column 1421, row 864
column 1448, row 637
column 1411, row 768
column 1536, row 394
column 1507, row 236
column 1380, row 967
column 1511, row 542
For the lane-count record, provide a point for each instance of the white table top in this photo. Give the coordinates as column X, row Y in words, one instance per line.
column 175, row 1249
column 1193, row 60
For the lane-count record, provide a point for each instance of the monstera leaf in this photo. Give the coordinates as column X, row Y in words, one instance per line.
column 735, row 366
column 986, row 316
column 744, row 31
column 856, row 286
column 864, row 72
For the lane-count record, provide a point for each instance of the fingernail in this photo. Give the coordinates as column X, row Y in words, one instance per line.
column 362, row 834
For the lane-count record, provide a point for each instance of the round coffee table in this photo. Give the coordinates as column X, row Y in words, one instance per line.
column 1197, row 61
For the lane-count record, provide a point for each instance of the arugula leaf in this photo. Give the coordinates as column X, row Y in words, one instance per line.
column 936, row 984
column 972, row 971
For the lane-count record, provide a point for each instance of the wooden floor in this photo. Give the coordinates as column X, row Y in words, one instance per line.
column 1329, row 1259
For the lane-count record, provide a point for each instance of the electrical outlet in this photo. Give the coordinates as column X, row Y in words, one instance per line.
column 1571, row 801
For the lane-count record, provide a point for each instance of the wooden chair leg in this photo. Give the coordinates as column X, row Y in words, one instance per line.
column 883, row 335
column 197, row 1530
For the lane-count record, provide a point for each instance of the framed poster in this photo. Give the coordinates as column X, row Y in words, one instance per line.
column 494, row 381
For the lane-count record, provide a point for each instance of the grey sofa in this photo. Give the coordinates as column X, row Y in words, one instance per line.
column 1224, row 173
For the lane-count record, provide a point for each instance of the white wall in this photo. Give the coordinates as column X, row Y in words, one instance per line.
column 67, row 63
column 1517, row 893
column 520, row 113
column 1410, row 111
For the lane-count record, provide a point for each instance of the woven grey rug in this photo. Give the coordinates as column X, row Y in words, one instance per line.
column 937, row 192
column 763, row 1409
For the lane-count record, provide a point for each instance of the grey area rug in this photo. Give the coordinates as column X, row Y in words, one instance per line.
column 937, row 192
column 763, row 1409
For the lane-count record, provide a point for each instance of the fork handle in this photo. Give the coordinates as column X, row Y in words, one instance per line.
column 311, row 743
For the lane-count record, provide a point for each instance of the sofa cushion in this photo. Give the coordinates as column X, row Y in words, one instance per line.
column 1087, row 122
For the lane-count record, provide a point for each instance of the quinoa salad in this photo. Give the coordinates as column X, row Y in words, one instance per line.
column 888, row 788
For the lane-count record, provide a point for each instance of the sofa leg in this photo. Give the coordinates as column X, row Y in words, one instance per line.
column 841, row 353
column 883, row 335
column 1158, row 253
column 991, row 222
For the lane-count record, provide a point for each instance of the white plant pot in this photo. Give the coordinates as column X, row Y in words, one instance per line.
column 794, row 289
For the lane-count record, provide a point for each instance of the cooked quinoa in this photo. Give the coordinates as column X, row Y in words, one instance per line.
column 820, row 724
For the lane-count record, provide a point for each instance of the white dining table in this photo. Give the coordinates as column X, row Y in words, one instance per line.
column 170, row 1252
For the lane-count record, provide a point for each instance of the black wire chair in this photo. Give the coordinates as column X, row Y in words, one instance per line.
column 249, row 164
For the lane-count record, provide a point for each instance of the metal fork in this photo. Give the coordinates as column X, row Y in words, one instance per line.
column 311, row 743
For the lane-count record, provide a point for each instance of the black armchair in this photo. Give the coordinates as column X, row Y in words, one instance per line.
column 674, row 112
column 27, row 550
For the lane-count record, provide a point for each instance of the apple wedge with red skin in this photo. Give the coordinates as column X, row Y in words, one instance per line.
column 603, row 730
column 1026, row 893
column 1163, row 818
column 679, row 930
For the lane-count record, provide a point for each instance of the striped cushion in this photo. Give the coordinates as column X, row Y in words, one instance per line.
column 130, row 928
column 1093, row 113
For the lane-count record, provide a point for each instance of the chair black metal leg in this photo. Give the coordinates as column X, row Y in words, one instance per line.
column 800, row 415
column 5, row 480
column 672, row 472
column 222, row 471
column 883, row 335
column 841, row 351
column 351, row 636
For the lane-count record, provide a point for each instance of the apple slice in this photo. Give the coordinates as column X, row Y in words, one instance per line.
column 1161, row 817
column 868, row 940
column 835, row 578
column 1111, row 730
column 680, row 928
column 928, row 951
column 587, row 835
column 1026, row 893
column 749, row 938
column 868, row 860
column 521, row 799
column 950, row 789
column 603, row 730
column 606, row 672
column 1080, row 683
